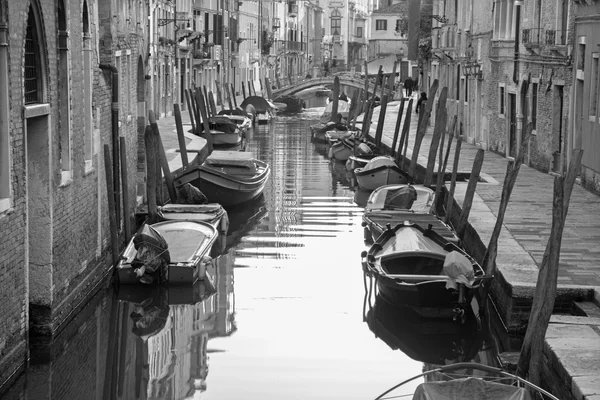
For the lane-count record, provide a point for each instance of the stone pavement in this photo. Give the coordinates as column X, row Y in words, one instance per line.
column 572, row 343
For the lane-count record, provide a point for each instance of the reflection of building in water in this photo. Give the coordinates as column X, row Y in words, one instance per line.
column 177, row 355
column 225, row 317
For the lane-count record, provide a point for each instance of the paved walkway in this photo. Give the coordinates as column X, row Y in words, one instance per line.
column 574, row 342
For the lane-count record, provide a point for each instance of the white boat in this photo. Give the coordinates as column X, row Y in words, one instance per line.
column 380, row 171
column 394, row 204
column 169, row 252
column 212, row 213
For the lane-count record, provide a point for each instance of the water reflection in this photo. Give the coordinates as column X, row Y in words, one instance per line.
column 281, row 320
column 432, row 341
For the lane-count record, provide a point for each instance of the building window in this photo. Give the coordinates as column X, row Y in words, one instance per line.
column 32, row 68
column 336, row 23
column 381, row 25
column 359, row 32
column 466, row 90
column 502, row 110
column 534, row 103
column 581, row 56
column 594, row 86
column 503, row 19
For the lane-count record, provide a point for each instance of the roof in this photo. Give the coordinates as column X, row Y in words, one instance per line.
column 394, row 9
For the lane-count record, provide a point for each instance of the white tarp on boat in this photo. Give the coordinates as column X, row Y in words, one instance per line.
column 232, row 158
column 469, row 389
column 459, row 269
column 379, row 161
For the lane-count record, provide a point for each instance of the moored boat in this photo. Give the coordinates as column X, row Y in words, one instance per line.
column 380, row 171
column 418, row 268
column 228, row 177
column 467, row 381
column 212, row 213
column 394, row 204
column 168, row 252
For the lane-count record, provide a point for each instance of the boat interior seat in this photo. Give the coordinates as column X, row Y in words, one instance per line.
column 414, row 265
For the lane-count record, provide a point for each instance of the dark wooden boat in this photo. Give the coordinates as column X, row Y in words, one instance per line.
column 228, row 177
column 418, row 268
column 187, row 244
column 395, row 204
column 378, row 172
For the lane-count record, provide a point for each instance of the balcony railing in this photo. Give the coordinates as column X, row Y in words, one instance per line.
column 276, row 23
column 556, row 37
column 531, row 37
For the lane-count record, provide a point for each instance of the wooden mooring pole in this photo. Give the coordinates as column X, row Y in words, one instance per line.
column 438, row 130
column 112, row 206
column 336, row 98
column 243, row 90
column 470, row 194
column 393, row 151
column 421, row 129
column 403, row 145
column 180, row 135
column 162, row 156
column 191, row 108
column 531, row 359
column 151, row 171
column 125, row 187
column 450, row 200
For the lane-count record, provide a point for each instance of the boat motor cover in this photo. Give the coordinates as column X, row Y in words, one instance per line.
column 152, row 251
column 379, row 161
column 190, row 194
column 459, row 269
column 364, row 148
column 469, row 389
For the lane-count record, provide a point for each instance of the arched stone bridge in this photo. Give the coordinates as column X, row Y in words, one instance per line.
column 358, row 83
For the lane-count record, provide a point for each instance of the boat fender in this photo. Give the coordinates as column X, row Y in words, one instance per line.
column 224, row 225
column 207, row 263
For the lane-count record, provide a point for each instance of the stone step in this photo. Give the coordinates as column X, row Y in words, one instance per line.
column 587, row 308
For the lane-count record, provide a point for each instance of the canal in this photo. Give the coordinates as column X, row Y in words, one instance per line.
column 286, row 318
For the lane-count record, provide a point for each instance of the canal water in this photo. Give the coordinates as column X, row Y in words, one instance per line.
column 285, row 318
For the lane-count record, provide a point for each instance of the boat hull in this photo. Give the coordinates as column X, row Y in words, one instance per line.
column 186, row 266
column 429, row 299
column 223, row 188
column 226, row 139
column 380, row 176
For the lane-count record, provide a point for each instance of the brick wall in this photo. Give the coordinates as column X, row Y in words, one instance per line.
column 79, row 226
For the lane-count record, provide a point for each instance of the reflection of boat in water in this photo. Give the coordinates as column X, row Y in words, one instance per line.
column 432, row 341
column 244, row 218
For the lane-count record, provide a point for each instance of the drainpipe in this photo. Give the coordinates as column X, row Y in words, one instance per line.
column 114, row 108
column 518, row 4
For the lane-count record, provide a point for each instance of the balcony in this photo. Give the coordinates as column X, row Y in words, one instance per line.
column 276, row 23
column 531, row 37
column 556, row 38
column 289, row 45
